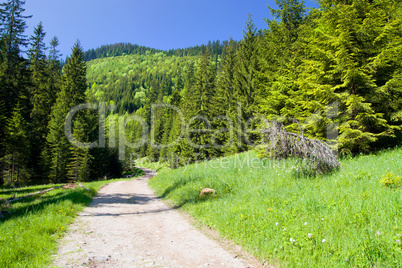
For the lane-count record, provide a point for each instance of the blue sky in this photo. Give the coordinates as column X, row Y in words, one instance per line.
column 162, row 24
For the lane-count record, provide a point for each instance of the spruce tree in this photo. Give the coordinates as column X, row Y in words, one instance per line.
column 71, row 94
column 13, row 68
column 246, row 83
column 353, row 60
column 204, row 107
column 17, row 146
column 41, row 99
column 281, row 56
column 226, row 96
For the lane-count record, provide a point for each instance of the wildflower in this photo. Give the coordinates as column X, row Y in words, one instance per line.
column 284, row 229
column 398, row 241
column 241, row 216
column 378, row 233
column 269, row 209
column 292, row 240
column 322, row 219
column 277, row 224
column 309, row 235
column 305, row 223
column 324, row 240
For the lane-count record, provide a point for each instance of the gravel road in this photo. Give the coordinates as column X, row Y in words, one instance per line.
column 128, row 226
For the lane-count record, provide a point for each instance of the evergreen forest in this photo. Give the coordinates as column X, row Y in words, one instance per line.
column 333, row 73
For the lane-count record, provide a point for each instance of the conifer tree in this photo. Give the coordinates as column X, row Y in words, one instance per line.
column 41, row 98
column 71, row 94
column 353, row 59
column 246, row 82
column 17, row 146
column 226, row 96
column 281, row 56
column 204, row 107
column 2, row 141
column 13, row 75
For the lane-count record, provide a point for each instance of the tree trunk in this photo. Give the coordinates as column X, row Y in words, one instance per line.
column 12, row 168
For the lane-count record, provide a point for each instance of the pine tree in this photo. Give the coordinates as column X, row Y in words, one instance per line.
column 204, row 106
column 54, row 70
column 226, row 96
column 13, row 74
column 41, row 98
column 17, row 146
column 71, row 94
column 246, row 83
column 353, row 60
column 78, row 167
column 2, row 140
column 281, row 56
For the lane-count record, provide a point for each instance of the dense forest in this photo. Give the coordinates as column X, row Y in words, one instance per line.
column 335, row 69
column 122, row 49
column 35, row 97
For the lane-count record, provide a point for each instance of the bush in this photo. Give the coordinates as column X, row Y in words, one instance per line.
column 391, row 180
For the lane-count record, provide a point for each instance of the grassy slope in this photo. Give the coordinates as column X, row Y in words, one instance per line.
column 261, row 206
column 29, row 237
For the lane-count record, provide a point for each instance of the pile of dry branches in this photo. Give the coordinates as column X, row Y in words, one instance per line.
column 313, row 156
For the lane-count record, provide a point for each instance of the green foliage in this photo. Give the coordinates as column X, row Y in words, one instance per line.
column 123, row 49
column 135, row 81
column 335, row 69
column 17, row 148
column 391, row 180
column 71, row 94
column 349, row 57
column 331, row 221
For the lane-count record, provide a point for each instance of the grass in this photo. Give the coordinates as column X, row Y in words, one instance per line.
column 157, row 166
column 29, row 236
column 346, row 219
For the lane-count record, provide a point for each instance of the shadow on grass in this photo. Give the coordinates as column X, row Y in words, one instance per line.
column 33, row 205
column 178, row 184
column 19, row 191
column 191, row 195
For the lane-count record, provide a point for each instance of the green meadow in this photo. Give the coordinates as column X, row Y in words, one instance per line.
column 345, row 219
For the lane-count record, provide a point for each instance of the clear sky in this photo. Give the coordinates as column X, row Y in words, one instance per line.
column 161, row 24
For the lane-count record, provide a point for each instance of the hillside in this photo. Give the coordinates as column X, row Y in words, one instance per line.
column 345, row 219
column 132, row 81
column 122, row 49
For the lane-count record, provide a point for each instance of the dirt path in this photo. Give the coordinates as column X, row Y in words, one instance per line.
column 128, row 226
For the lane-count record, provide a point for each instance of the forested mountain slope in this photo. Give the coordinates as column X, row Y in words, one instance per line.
column 131, row 81
column 336, row 70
